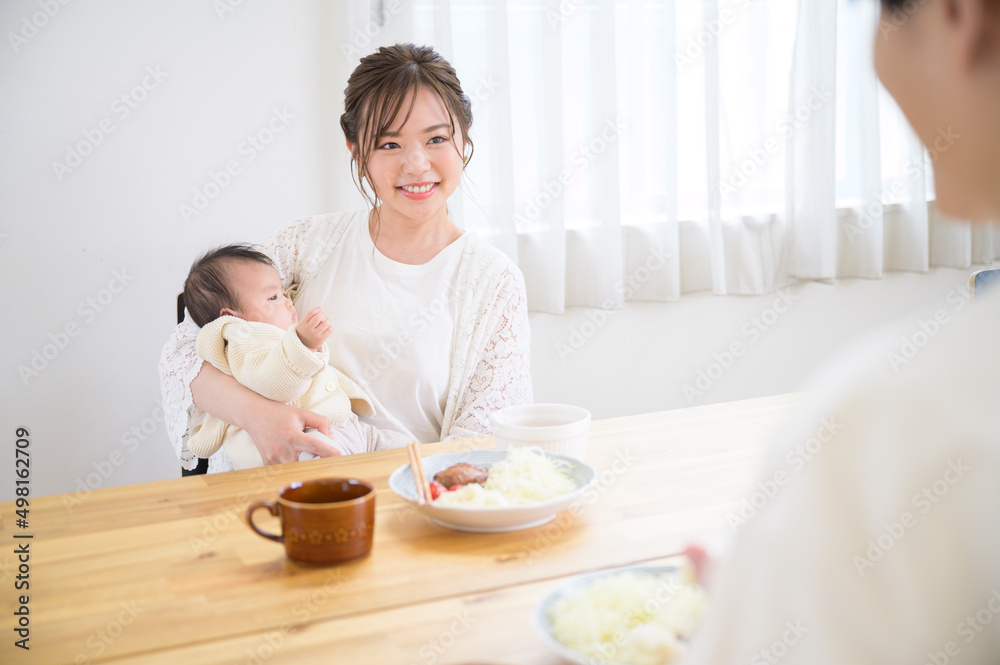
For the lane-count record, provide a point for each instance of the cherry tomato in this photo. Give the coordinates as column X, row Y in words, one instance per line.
column 437, row 489
column 455, row 487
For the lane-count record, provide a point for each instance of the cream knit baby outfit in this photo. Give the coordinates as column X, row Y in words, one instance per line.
column 276, row 364
column 491, row 343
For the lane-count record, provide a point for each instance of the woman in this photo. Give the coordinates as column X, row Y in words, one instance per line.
column 883, row 547
column 430, row 321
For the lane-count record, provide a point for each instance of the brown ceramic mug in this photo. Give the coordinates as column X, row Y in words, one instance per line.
column 323, row 521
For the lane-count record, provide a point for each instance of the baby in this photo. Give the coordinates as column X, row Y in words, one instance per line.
column 250, row 331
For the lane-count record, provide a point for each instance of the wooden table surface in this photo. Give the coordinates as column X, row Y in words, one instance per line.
column 168, row 571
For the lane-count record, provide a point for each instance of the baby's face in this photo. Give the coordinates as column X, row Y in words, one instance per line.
column 261, row 298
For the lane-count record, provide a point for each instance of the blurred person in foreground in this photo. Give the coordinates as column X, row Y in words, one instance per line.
column 884, row 546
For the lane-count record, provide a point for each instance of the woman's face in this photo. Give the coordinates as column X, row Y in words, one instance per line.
column 416, row 166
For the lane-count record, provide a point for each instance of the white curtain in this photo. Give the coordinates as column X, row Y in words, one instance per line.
column 638, row 150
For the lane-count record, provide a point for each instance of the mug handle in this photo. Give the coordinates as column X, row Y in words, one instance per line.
column 272, row 507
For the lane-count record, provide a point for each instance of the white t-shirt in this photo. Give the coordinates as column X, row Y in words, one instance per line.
column 880, row 541
column 401, row 340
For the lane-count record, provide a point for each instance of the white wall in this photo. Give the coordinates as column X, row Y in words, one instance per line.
column 67, row 234
column 92, row 405
column 641, row 358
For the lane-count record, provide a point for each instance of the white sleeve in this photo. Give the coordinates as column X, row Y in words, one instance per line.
column 502, row 376
column 285, row 247
column 179, row 365
column 300, row 248
column 871, row 541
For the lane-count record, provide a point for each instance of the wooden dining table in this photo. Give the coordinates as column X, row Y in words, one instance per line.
column 169, row 572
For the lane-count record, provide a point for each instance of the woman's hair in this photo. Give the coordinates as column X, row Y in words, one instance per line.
column 207, row 290
column 380, row 86
column 909, row 6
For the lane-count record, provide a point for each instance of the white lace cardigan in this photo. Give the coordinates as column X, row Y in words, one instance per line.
column 490, row 359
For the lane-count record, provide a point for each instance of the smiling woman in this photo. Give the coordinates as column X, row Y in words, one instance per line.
column 430, row 321
column 408, row 135
column 413, row 172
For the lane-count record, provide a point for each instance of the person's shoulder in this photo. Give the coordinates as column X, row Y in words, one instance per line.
column 303, row 245
column 487, row 261
column 950, row 341
column 937, row 354
column 957, row 336
column 949, row 358
column 926, row 385
column 320, row 225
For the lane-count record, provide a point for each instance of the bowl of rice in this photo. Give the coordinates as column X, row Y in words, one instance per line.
column 526, row 487
column 626, row 616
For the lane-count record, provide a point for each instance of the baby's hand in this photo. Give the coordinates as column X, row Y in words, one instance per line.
column 314, row 328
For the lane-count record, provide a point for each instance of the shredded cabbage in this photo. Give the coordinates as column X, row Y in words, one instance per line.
column 526, row 475
column 632, row 617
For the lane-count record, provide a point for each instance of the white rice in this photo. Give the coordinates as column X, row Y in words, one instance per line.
column 631, row 617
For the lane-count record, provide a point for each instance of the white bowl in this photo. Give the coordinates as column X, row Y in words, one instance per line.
column 555, row 428
column 490, row 519
column 543, row 626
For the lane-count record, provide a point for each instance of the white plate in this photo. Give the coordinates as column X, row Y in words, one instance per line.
column 540, row 618
column 491, row 519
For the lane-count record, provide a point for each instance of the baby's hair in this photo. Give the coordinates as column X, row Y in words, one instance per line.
column 206, row 289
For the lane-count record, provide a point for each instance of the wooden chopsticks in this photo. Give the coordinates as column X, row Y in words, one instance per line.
column 419, row 476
